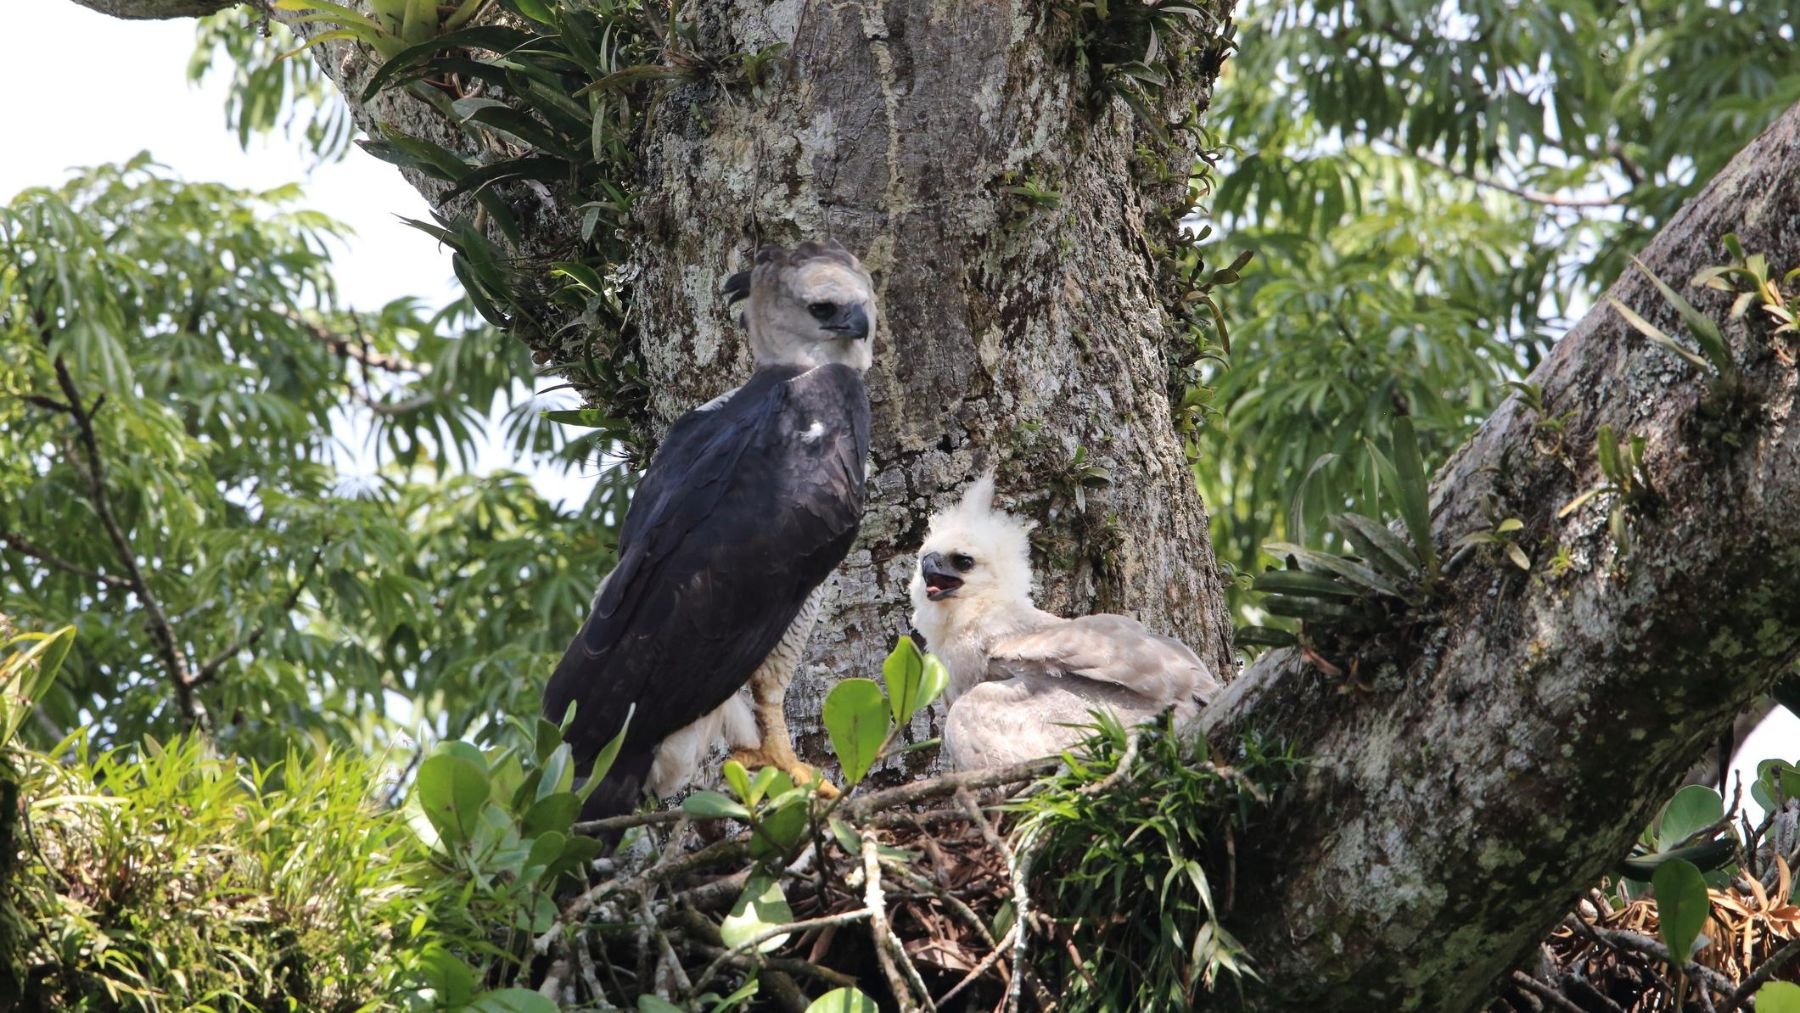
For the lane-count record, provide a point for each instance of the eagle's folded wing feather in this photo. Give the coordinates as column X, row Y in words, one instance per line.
column 1111, row 649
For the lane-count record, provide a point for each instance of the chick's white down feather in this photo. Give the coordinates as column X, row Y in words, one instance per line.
column 1019, row 676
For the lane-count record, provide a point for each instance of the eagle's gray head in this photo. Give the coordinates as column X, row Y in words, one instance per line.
column 808, row 306
column 976, row 561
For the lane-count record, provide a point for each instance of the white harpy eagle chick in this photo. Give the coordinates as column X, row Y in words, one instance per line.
column 1020, row 677
column 749, row 504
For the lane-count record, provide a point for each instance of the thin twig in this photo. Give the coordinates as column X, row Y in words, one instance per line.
column 175, row 660
column 982, row 967
column 862, row 806
column 841, row 918
column 1545, row 992
column 1534, row 196
column 20, row 544
column 1764, row 971
column 354, row 348
column 1623, row 939
column 937, row 787
column 210, row 668
column 887, row 945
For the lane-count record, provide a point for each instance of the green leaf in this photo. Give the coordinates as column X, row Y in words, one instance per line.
column 1414, row 493
column 1303, row 584
column 843, row 1000
column 761, row 907
column 452, row 789
column 904, row 673
column 604, row 760
column 511, row 1000
column 1778, row 997
column 1357, row 573
column 739, row 780
column 552, row 812
column 1682, row 906
column 1693, row 809
column 495, row 37
column 1657, row 335
column 712, row 805
column 1706, row 332
column 1707, row 855
column 1381, row 547
column 1264, row 636
column 856, row 718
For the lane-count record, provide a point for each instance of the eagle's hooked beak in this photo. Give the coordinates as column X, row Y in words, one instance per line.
column 851, row 321
column 940, row 580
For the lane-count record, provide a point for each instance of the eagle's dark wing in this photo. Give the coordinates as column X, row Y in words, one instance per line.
column 748, row 506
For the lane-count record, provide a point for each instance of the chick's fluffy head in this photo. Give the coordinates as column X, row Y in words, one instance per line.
column 995, row 548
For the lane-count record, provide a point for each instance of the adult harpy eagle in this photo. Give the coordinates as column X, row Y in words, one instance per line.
column 750, row 503
column 1020, row 676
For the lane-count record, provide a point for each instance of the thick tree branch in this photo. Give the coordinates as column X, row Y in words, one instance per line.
column 176, row 666
column 160, row 10
column 1523, row 728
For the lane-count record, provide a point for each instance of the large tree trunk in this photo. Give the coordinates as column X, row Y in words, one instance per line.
column 1012, row 333
column 1520, row 736
column 1010, row 336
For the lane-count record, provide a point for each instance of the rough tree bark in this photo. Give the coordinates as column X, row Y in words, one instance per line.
column 158, row 10
column 1516, row 737
column 1519, row 738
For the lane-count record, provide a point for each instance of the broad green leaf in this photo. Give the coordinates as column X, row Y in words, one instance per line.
column 552, row 812
column 452, row 790
column 712, row 805
column 1682, row 906
column 647, row 1003
column 739, row 780
column 761, row 907
column 1778, row 997
column 856, row 718
column 511, row 1000
column 904, row 672
column 1693, row 809
column 843, row 1000
column 608, row 753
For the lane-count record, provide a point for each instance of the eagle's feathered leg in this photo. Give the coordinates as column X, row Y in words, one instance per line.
column 769, row 689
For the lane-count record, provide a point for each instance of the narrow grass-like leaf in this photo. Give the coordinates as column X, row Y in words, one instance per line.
column 1657, row 335
column 1706, row 332
column 1381, row 547
column 1303, row 584
column 1414, row 493
column 1360, row 574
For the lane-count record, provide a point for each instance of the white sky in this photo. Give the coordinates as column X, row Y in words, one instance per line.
column 62, row 114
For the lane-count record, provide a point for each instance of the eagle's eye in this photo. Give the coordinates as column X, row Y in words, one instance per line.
column 821, row 311
column 962, row 563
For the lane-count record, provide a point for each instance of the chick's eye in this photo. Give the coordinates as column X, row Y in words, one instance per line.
column 962, row 563
column 821, row 311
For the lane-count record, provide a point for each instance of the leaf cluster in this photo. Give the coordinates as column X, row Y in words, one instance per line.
column 1434, row 191
column 1127, row 863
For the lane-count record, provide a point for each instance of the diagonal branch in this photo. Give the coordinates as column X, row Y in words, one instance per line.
column 358, row 349
column 1554, row 200
column 210, row 668
column 24, row 546
column 176, row 665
